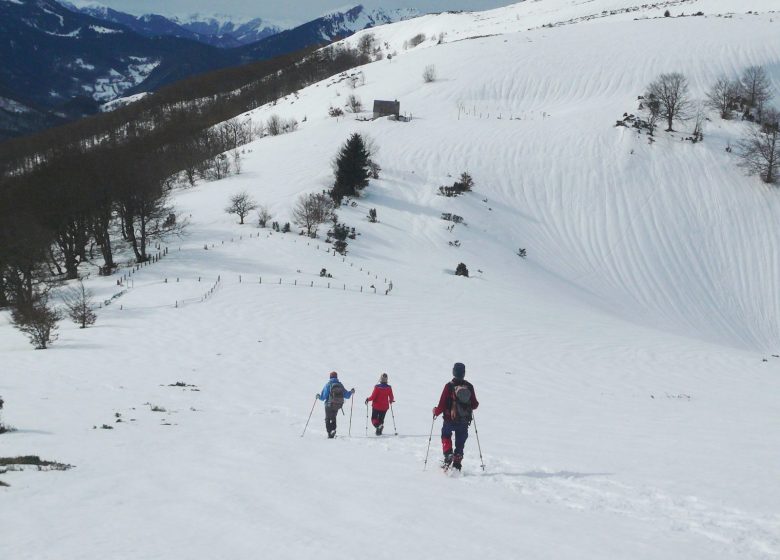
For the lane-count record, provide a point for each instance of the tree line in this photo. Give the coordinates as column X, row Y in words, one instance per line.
column 73, row 194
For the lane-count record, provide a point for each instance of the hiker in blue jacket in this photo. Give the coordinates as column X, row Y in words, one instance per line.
column 333, row 395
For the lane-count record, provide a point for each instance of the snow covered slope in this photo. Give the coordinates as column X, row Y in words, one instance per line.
column 626, row 409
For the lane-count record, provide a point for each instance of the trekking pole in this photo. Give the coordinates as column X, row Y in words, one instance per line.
column 351, row 406
column 366, row 419
column 393, row 414
column 476, row 432
column 429, row 443
column 310, row 413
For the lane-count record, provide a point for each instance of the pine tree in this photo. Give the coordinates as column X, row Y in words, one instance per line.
column 352, row 168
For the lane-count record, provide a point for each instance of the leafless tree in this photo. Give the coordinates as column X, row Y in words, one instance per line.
column 366, row 44
column 78, row 301
column 671, row 91
column 354, row 104
column 274, row 125
column 263, row 216
column 241, row 204
column 722, row 95
column 756, row 88
column 312, row 210
column 759, row 149
column 429, row 74
column 236, row 162
column 699, row 118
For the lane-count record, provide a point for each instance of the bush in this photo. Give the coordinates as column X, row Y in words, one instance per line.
column 429, row 74
column 464, row 184
column 372, row 216
column 461, row 270
column 354, row 104
column 335, row 112
column 416, row 40
column 37, row 320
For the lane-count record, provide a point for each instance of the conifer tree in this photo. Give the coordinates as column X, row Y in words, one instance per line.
column 352, row 168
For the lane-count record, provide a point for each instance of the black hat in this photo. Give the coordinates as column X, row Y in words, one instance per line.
column 458, row 371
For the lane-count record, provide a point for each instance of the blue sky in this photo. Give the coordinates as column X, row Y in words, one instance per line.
column 295, row 11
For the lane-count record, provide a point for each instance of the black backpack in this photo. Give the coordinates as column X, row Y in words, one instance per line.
column 336, row 395
column 460, row 410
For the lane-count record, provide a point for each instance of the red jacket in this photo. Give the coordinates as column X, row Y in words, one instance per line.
column 382, row 396
column 447, row 394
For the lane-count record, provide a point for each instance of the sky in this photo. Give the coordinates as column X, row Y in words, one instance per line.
column 283, row 10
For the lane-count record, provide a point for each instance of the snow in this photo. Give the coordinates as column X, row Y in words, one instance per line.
column 104, row 30
column 626, row 410
column 122, row 101
column 74, row 33
column 12, row 106
column 111, row 87
column 84, row 65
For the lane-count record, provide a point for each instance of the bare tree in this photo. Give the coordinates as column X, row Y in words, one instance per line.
column 366, row 44
column 78, row 301
column 274, row 125
column 759, row 149
column 756, row 88
column 671, row 91
column 241, row 204
column 312, row 210
column 263, row 216
column 354, row 104
column 236, row 162
column 429, row 74
column 699, row 118
column 722, row 95
column 38, row 320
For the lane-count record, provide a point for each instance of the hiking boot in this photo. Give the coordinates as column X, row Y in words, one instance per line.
column 447, row 459
column 456, row 460
column 379, row 429
column 331, row 434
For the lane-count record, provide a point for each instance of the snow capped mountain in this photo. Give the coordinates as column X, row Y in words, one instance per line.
column 627, row 366
column 231, row 31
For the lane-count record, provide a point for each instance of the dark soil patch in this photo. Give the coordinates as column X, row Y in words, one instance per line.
column 34, row 461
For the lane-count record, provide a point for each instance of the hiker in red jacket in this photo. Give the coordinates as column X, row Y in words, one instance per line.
column 457, row 401
column 381, row 399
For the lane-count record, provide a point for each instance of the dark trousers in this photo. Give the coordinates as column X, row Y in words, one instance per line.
column 461, row 430
column 330, row 418
column 377, row 416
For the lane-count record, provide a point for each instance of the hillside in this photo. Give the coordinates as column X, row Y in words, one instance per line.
column 626, row 368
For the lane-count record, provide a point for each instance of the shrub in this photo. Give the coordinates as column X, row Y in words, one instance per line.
column 38, row 320
column 354, row 104
column 335, row 112
column 429, row 74
column 464, row 184
column 416, row 40
column 461, row 270
column 372, row 216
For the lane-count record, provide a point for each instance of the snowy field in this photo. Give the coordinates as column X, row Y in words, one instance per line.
column 625, row 368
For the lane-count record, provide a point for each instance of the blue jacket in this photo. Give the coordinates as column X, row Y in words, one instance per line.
column 325, row 393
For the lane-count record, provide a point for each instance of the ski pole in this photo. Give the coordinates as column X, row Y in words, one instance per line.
column 393, row 414
column 476, row 432
column 310, row 413
column 351, row 406
column 429, row 444
column 366, row 419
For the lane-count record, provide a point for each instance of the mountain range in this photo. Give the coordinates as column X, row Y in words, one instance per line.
column 63, row 63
